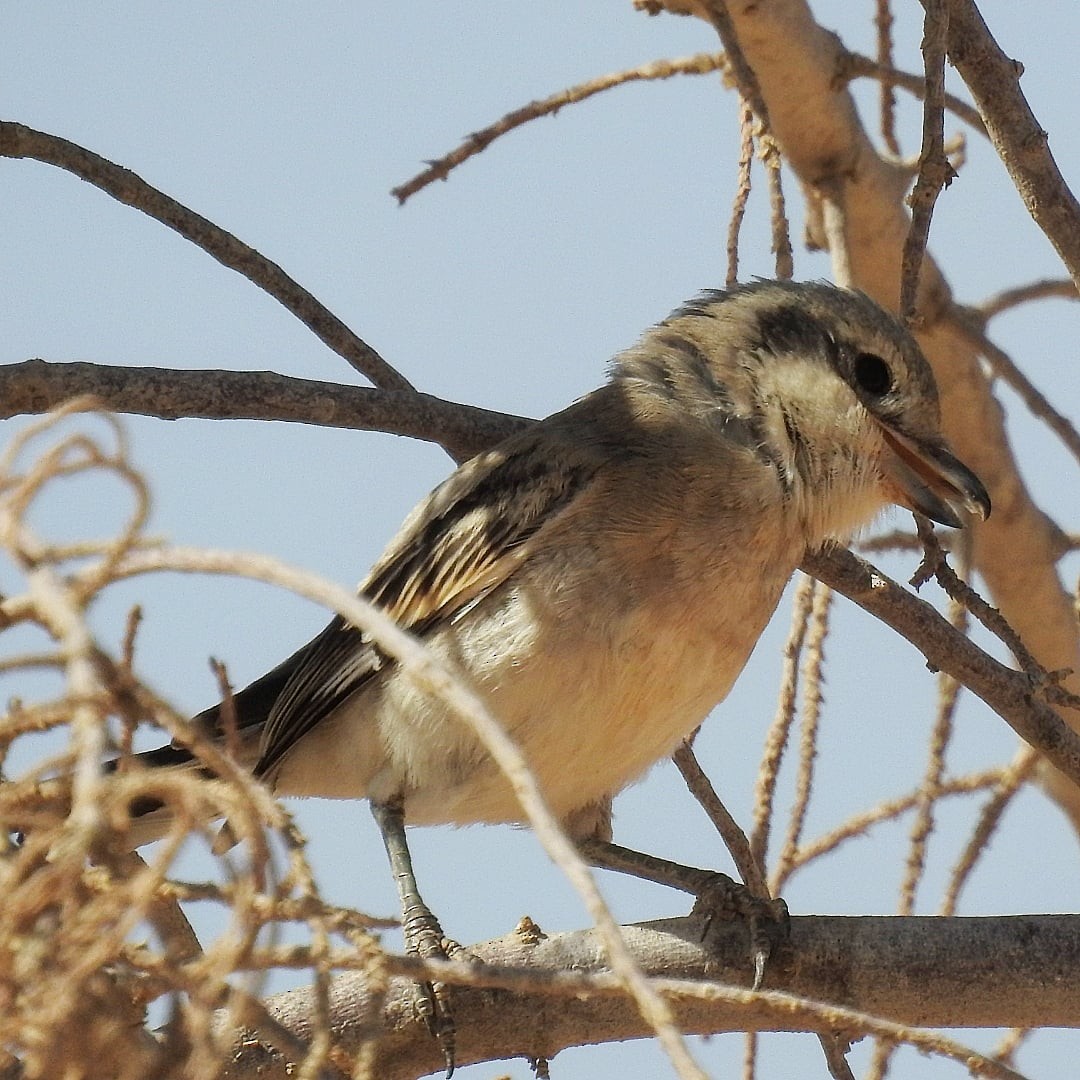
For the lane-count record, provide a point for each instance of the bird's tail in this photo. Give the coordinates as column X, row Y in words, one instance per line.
column 148, row 801
column 143, row 796
column 152, row 815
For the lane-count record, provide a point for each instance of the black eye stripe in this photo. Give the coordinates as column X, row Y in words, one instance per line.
column 872, row 374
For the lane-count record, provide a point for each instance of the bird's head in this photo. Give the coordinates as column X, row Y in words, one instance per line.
column 825, row 388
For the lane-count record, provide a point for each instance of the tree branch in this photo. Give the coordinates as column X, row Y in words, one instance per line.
column 36, row 386
column 19, row 141
column 1013, row 695
column 988, row 972
column 935, row 170
column 854, row 65
column 1022, row 144
column 478, row 141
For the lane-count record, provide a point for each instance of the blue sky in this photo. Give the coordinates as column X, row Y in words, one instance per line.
column 509, row 286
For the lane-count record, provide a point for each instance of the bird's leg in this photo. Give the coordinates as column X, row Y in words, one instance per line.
column 423, row 934
column 718, row 896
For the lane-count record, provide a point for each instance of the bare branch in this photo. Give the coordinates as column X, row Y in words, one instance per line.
column 478, row 141
column 1012, row 780
column 19, row 141
column 1063, row 289
column 1021, row 142
column 35, row 386
column 1041, row 953
column 1011, row 694
column 853, row 65
column 861, row 823
column 883, row 24
column 742, row 189
column 935, row 170
column 936, row 565
column 812, row 675
column 1004, row 367
column 779, row 733
column 734, row 838
column 778, row 220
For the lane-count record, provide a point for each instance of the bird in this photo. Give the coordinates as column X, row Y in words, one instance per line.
column 601, row 577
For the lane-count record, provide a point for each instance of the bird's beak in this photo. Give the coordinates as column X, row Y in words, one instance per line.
column 927, row 478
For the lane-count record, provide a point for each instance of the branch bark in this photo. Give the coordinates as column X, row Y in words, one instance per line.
column 987, row 972
column 1013, row 695
column 36, row 386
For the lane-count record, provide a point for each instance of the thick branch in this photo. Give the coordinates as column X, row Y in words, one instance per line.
column 19, row 141
column 35, row 386
column 988, row 972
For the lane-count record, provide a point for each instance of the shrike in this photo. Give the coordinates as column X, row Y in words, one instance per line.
column 601, row 578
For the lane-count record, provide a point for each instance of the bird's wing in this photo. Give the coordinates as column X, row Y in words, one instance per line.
column 459, row 544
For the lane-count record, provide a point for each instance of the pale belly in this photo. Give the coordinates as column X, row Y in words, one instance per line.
column 593, row 695
column 590, row 716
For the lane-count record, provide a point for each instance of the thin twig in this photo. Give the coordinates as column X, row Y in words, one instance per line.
column 812, row 673
column 439, row 169
column 855, row 65
column 1017, row 697
column 935, row 169
column 930, row 788
column 778, row 221
column 1012, row 780
column 1011, row 1041
column 1003, row 366
column 1058, row 288
column 738, row 67
column 936, row 564
column 887, row 811
column 742, row 190
column 780, row 730
column 883, row 24
column 734, row 838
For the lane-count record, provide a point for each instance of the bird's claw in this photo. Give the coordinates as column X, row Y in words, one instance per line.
column 431, row 1000
column 768, row 921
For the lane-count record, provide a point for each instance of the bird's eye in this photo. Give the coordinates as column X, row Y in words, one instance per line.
column 872, row 374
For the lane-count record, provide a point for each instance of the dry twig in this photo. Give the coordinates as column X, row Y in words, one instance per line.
column 478, row 141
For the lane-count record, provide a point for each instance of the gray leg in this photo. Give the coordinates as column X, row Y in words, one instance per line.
column 717, row 896
column 608, row 856
column 423, row 934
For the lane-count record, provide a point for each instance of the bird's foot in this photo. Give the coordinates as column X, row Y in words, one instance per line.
column 431, row 1000
column 767, row 920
